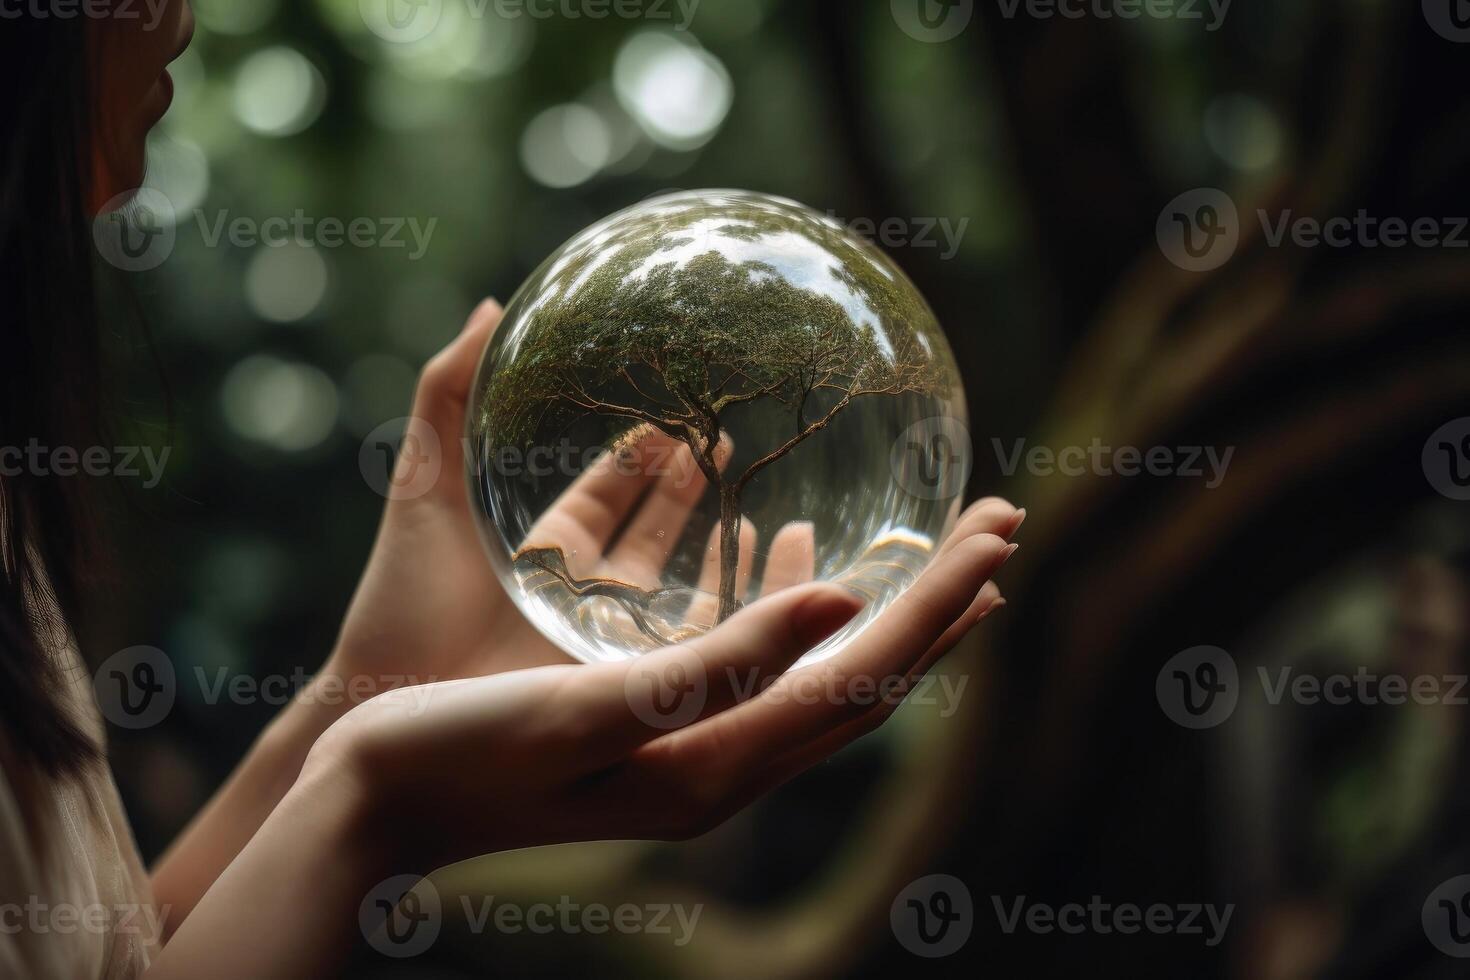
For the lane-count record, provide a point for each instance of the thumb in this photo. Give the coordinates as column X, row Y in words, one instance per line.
column 445, row 382
column 431, row 467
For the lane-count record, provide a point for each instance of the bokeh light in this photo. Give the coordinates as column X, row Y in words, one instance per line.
column 565, row 145
column 286, row 283
column 1244, row 132
column 234, row 17
column 285, row 405
column 279, row 92
column 677, row 91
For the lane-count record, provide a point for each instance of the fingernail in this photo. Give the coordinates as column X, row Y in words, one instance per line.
column 1018, row 520
column 997, row 604
column 1006, row 553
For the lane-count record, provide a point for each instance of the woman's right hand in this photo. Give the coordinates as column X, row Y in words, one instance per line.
column 662, row 747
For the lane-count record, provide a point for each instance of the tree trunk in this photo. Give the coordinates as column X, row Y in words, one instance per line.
column 729, row 550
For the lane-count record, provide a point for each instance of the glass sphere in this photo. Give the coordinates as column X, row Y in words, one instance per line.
column 704, row 399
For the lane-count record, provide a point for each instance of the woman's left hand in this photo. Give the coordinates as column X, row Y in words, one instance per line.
column 429, row 606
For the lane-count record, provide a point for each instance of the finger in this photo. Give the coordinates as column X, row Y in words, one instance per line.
column 890, row 648
column 796, row 761
column 741, row 656
column 793, row 557
column 627, row 705
column 987, row 602
column 585, row 517
column 444, row 385
column 992, row 515
column 431, row 442
column 709, row 575
column 700, row 782
column 644, row 547
column 695, row 796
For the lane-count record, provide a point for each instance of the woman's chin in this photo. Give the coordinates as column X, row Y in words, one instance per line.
column 160, row 97
column 120, row 160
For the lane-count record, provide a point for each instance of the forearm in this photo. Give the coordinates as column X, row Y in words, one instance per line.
column 231, row 818
column 287, row 906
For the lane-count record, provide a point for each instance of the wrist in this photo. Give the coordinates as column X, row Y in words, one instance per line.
column 347, row 770
column 336, row 777
column 292, row 737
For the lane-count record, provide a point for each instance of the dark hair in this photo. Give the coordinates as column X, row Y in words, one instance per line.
column 49, row 374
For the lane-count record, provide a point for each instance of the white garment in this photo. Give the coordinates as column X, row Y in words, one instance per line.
column 75, row 902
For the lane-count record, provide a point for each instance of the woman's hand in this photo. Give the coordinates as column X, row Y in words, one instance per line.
column 662, row 747
column 429, row 606
column 514, row 745
column 584, row 751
